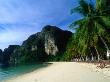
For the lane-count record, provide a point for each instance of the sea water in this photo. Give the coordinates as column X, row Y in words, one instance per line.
column 14, row 71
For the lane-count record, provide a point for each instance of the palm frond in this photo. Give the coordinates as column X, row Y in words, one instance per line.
column 84, row 8
column 104, row 25
column 78, row 23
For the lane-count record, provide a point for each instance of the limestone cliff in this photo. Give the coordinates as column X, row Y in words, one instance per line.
column 49, row 42
column 51, row 39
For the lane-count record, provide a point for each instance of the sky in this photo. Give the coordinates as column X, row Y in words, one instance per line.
column 21, row 18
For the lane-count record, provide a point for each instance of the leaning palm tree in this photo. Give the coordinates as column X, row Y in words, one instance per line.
column 103, row 10
column 89, row 29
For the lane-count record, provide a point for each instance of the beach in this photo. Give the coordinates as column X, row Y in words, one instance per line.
column 65, row 72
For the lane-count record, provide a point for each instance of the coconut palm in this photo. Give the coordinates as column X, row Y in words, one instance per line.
column 103, row 8
column 90, row 29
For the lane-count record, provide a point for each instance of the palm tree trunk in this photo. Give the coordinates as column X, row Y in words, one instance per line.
column 86, row 58
column 104, row 43
column 92, row 58
column 108, row 54
column 98, row 55
column 108, row 50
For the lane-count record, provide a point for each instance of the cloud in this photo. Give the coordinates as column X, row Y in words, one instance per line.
column 21, row 18
column 15, row 33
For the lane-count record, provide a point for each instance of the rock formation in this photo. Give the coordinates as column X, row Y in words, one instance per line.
column 50, row 41
column 0, row 55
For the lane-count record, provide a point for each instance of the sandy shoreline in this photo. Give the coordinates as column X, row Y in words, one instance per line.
column 105, row 71
column 65, row 72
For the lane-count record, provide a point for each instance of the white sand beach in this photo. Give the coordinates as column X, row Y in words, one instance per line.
column 64, row 72
column 105, row 71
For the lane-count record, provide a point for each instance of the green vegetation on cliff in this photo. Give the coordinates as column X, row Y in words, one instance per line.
column 91, row 40
column 47, row 45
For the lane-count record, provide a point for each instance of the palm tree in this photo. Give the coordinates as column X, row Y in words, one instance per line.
column 103, row 7
column 89, row 29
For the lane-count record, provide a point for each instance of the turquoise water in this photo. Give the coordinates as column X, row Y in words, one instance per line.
column 10, row 72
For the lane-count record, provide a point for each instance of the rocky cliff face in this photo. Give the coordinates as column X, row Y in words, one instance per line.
column 0, row 55
column 8, row 54
column 50, row 41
